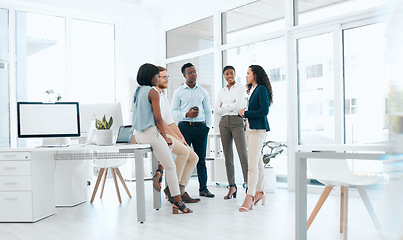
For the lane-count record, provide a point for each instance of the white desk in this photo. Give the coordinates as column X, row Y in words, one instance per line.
column 137, row 149
column 301, row 177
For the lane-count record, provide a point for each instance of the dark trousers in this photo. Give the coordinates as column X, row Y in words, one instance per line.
column 196, row 136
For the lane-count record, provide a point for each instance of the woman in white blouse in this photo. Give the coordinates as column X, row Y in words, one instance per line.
column 229, row 101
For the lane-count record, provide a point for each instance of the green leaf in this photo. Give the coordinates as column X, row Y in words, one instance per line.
column 266, row 158
column 110, row 122
column 103, row 124
column 99, row 125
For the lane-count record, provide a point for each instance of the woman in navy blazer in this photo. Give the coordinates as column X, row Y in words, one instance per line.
column 260, row 98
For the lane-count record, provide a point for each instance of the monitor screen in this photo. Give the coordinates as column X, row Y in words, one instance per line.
column 36, row 119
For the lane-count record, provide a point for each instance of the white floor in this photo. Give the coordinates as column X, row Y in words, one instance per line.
column 212, row 219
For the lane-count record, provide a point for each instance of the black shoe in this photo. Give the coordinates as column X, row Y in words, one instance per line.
column 206, row 193
column 232, row 195
column 168, row 193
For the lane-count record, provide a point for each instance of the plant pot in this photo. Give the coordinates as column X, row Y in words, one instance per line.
column 270, row 179
column 104, row 137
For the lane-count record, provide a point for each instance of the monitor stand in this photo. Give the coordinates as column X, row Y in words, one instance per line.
column 56, row 142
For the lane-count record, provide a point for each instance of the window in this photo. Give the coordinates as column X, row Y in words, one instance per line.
column 190, row 38
column 331, row 108
column 314, row 71
column 316, row 10
column 252, row 19
column 205, row 75
column 40, row 55
column 366, row 87
column 316, row 89
column 4, row 80
column 270, row 55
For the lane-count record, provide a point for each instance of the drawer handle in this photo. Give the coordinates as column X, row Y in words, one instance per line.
column 9, row 168
column 10, row 155
column 11, row 198
column 11, row 183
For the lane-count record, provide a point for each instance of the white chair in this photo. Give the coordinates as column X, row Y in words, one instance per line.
column 336, row 172
column 105, row 165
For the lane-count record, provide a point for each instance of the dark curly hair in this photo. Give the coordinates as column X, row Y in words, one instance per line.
column 186, row 65
column 261, row 79
column 228, row 67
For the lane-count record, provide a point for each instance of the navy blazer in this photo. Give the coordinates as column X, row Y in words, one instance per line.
column 258, row 108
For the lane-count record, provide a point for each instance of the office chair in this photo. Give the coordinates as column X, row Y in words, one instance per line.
column 105, row 165
column 336, row 172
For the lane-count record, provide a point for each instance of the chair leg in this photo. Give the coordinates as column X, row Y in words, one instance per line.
column 101, row 172
column 116, row 184
column 343, row 210
column 123, row 182
column 103, row 183
column 368, row 205
column 319, row 204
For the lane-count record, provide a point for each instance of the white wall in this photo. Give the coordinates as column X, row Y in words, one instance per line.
column 140, row 44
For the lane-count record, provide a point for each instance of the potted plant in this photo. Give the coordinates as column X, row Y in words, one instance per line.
column 103, row 134
column 51, row 96
column 271, row 149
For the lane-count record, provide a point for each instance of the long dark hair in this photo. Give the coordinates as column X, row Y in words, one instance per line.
column 261, row 79
column 146, row 72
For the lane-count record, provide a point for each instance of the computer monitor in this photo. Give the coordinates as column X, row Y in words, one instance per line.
column 90, row 112
column 48, row 120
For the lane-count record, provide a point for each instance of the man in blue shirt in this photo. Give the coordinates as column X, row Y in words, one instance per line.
column 191, row 108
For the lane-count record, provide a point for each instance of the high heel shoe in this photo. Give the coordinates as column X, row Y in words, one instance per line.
column 245, row 209
column 180, row 206
column 263, row 198
column 157, row 179
column 231, row 195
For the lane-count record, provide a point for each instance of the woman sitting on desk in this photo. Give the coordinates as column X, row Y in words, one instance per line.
column 148, row 128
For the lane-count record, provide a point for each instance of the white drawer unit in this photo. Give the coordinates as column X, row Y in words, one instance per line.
column 15, row 168
column 19, row 156
column 26, row 185
column 16, row 206
column 15, row 183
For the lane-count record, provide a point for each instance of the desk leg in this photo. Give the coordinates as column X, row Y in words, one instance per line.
column 300, row 199
column 156, row 194
column 140, row 193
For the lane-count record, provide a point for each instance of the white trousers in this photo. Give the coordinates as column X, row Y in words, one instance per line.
column 161, row 150
column 255, row 139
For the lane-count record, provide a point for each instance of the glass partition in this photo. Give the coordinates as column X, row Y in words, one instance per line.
column 316, row 89
column 366, row 86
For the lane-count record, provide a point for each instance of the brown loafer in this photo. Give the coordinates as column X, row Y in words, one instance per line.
column 169, row 197
column 187, row 199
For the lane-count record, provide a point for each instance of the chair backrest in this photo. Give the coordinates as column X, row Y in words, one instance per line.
column 108, row 163
column 327, row 171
